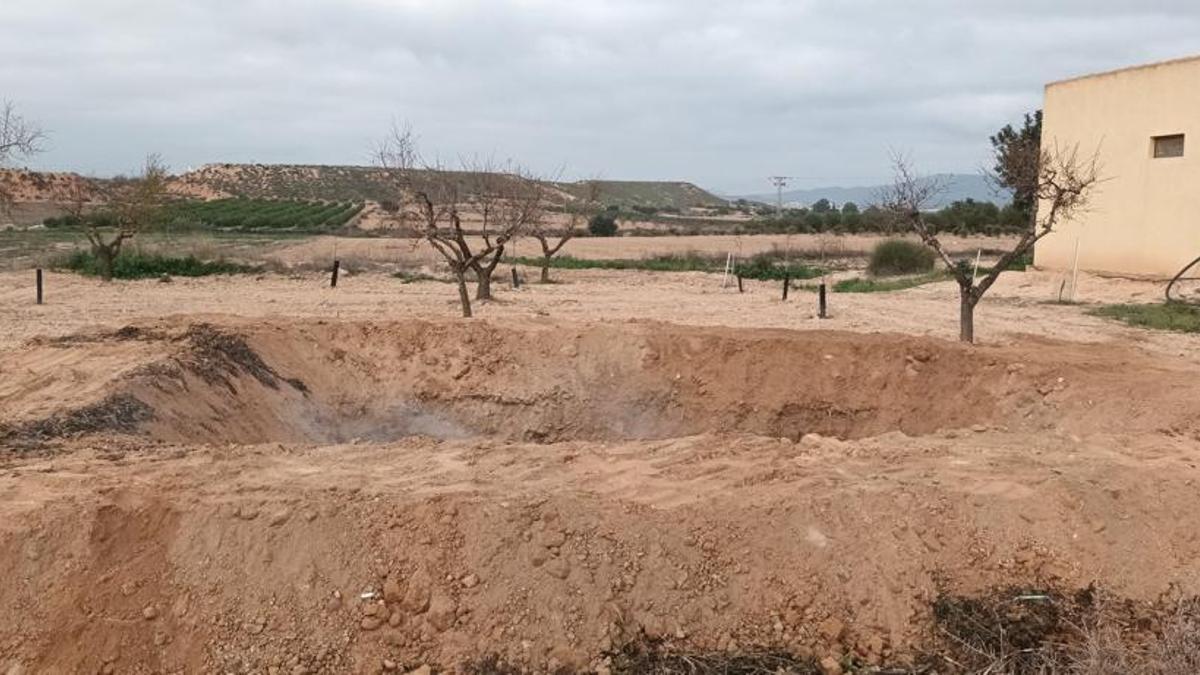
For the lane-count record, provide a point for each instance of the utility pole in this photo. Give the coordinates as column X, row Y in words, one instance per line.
column 779, row 182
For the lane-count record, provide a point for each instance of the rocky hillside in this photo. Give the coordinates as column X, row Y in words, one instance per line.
column 23, row 185
column 37, row 195
column 285, row 181
column 364, row 183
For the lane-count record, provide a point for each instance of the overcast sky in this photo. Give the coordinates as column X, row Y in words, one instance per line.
column 723, row 94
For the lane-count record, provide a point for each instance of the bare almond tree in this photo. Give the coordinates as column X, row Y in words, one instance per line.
column 1061, row 181
column 437, row 201
column 78, row 200
column 510, row 202
column 580, row 211
column 131, row 205
column 18, row 138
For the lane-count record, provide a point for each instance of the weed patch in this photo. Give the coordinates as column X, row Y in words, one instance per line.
column 407, row 277
column 1172, row 316
column 1086, row 632
column 861, row 285
column 1011, row 628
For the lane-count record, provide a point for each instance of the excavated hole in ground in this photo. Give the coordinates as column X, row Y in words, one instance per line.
column 329, row 383
column 316, row 383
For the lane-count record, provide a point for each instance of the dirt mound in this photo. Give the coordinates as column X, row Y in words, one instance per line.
column 349, row 558
column 531, row 496
column 324, row 382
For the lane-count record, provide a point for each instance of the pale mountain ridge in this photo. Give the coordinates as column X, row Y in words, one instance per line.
column 959, row 186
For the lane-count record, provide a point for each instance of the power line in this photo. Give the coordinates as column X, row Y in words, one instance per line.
column 780, row 182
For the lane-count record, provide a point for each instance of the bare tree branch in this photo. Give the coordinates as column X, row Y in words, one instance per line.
column 583, row 208
column 508, row 200
column 18, row 138
column 131, row 205
column 397, row 152
column 1064, row 184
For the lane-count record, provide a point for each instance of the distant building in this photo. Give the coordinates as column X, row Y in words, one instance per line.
column 1144, row 219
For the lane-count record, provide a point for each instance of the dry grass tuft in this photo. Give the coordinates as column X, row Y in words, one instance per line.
column 1022, row 632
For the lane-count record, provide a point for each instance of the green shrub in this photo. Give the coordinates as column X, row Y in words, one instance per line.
column 767, row 266
column 95, row 219
column 893, row 257
column 136, row 265
column 54, row 222
column 603, row 225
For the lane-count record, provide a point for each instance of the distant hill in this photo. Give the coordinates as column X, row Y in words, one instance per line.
column 285, row 181
column 29, row 197
column 24, row 185
column 359, row 183
column 959, row 186
column 660, row 194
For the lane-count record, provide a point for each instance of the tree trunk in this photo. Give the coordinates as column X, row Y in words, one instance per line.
column 966, row 315
column 483, row 283
column 483, row 274
column 104, row 261
column 464, row 297
column 546, row 270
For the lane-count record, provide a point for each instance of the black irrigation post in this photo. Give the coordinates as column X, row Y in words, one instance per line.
column 821, row 301
column 516, row 280
column 333, row 278
column 786, row 282
column 739, row 278
column 39, row 285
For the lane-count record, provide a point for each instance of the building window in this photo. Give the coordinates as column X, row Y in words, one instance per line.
column 1168, row 146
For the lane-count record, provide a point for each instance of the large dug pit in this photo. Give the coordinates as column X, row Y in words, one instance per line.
column 326, row 383
column 307, row 497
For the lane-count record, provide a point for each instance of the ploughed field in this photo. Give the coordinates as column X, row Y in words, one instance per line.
column 221, row 494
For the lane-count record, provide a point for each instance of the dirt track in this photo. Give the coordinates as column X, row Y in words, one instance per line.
column 1020, row 304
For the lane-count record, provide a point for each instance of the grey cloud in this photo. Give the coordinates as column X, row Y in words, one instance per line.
column 720, row 93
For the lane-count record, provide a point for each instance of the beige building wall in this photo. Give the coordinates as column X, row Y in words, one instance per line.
column 1145, row 217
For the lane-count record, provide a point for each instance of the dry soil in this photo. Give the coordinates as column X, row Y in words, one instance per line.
column 268, row 475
